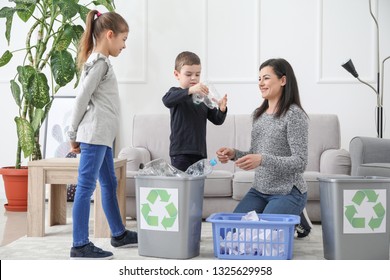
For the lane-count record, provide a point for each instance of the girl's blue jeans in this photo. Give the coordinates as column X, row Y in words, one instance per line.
column 96, row 162
column 291, row 204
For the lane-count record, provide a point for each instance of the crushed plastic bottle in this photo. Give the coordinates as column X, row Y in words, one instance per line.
column 197, row 98
column 159, row 167
column 202, row 167
column 211, row 99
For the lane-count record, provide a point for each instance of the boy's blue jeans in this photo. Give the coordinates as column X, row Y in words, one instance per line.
column 96, row 162
column 292, row 203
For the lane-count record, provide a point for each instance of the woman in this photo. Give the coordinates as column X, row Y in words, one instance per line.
column 279, row 148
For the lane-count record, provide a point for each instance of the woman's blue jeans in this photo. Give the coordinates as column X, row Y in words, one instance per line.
column 96, row 162
column 292, row 203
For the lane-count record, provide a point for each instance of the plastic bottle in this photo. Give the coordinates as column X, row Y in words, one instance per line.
column 159, row 167
column 197, row 98
column 202, row 167
column 211, row 99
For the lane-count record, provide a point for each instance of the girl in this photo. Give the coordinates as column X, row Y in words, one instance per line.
column 93, row 127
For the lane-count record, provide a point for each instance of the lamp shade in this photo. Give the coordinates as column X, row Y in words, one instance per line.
column 350, row 68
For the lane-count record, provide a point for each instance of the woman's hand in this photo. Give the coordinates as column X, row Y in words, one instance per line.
column 225, row 154
column 249, row 162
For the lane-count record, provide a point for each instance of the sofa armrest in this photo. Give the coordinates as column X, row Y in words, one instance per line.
column 335, row 161
column 135, row 156
column 368, row 150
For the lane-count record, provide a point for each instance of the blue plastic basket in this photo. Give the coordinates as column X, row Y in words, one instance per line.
column 270, row 238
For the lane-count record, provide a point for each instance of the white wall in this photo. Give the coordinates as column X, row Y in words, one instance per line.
column 232, row 38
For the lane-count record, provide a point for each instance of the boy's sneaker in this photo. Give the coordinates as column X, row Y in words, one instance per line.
column 89, row 252
column 129, row 239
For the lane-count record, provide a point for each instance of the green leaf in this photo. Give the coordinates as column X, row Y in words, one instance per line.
column 8, row 14
column 110, row 5
column 25, row 135
column 66, row 37
column 37, row 119
column 25, row 9
column 15, row 89
column 39, row 90
column 5, row 58
column 78, row 31
column 68, row 8
column 25, row 73
column 63, row 67
column 83, row 11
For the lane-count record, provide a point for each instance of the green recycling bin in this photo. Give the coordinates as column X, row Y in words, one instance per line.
column 169, row 216
column 355, row 217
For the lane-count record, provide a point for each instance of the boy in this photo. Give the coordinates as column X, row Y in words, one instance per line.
column 189, row 120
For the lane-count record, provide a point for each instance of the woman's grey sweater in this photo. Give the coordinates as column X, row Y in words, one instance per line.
column 283, row 144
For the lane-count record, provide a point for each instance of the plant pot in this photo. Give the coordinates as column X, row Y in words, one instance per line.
column 15, row 184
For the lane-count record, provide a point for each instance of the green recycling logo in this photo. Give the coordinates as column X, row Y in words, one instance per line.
column 364, row 211
column 158, row 209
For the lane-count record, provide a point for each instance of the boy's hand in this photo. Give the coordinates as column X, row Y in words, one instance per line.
column 222, row 103
column 199, row 88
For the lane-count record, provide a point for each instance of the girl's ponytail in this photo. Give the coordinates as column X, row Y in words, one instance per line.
column 86, row 42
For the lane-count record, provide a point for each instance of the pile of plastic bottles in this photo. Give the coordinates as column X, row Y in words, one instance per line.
column 160, row 167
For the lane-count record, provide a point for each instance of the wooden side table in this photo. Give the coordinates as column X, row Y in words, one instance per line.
column 57, row 172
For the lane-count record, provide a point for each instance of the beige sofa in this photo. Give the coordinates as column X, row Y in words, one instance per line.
column 228, row 184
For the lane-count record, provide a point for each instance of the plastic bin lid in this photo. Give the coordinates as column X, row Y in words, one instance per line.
column 360, row 179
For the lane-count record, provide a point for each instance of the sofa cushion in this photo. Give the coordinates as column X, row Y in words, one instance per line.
column 374, row 169
column 242, row 182
column 313, row 185
column 218, row 184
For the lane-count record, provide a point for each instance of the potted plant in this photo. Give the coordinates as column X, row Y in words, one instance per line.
column 51, row 36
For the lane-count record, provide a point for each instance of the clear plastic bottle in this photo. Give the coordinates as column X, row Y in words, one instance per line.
column 211, row 99
column 197, row 98
column 202, row 167
column 159, row 167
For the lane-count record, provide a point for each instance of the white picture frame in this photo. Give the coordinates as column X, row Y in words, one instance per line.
column 55, row 142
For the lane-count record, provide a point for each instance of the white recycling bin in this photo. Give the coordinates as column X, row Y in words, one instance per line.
column 355, row 217
column 169, row 216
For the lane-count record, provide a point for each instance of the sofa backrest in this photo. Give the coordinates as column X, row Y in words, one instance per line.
column 324, row 134
column 152, row 132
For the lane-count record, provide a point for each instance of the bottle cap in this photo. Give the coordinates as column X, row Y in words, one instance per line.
column 213, row 162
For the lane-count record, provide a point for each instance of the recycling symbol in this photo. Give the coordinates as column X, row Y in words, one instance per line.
column 367, row 200
column 165, row 216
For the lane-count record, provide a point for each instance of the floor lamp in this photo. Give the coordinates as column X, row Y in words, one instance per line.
column 380, row 75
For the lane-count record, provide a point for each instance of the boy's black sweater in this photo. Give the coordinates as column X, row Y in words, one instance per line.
column 189, row 122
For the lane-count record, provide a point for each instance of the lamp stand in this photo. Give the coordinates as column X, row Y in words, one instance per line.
column 379, row 121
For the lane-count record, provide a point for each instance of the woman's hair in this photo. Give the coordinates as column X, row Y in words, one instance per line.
column 96, row 24
column 290, row 93
column 186, row 58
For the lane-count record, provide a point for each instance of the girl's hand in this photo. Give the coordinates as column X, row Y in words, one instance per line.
column 225, row 154
column 75, row 147
column 249, row 162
